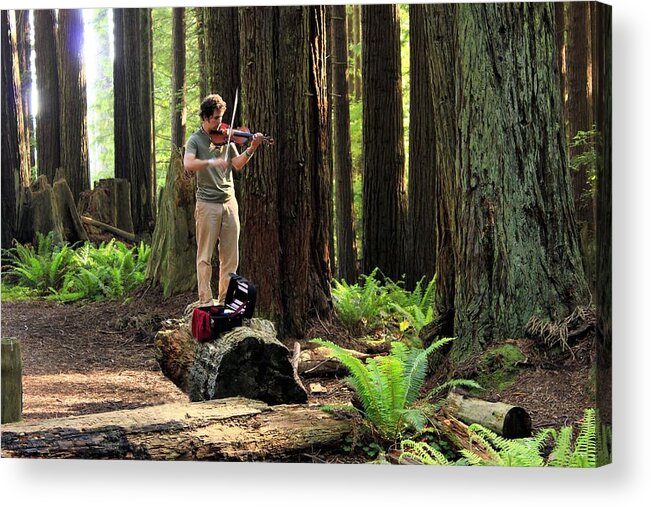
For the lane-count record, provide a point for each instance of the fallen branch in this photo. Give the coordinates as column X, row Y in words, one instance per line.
column 119, row 232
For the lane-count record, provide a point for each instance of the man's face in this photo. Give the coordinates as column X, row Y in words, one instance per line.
column 215, row 120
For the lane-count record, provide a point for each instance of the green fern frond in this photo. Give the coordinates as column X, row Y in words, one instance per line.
column 423, row 453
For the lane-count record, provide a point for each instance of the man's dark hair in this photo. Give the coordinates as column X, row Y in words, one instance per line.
column 210, row 104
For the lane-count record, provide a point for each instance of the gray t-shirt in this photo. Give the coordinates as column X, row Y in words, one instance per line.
column 213, row 184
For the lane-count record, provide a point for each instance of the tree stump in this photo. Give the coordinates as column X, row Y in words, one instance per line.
column 234, row 429
column 172, row 263
column 38, row 212
column 248, row 361
column 109, row 202
column 506, row 420
column 11, row 371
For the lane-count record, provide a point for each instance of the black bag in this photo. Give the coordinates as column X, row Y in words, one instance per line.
column 209, row 321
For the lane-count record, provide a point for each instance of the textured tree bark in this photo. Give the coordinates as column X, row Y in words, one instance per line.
column 345, row 220
column 178, row 108
column 234, row 429
column 24, row 47
column 12, row 380
column 172, row 262
column 120, row 125
column 440, row 34
column 602, row 73
column 38, row 212
column 516, row 250
column 139, row 170
column 504, row 419
column 421, row 224
column 73, row 229
column 72, row 87
column 222, row 65
column 48, row 124
column 580, row 118
column 259, row 204
column 383, row 192
column 11, row 134
column 248, row 361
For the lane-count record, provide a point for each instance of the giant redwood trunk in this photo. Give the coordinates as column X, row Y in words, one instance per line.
column 24, row 49
column 48, row 155
column 516, row 252
column 440, row 32
column 136, row 110
column 178, row 106
column 602, row 70
column 579, row 116
column 74, row 129
column 285, row 189
column 421, row 226
column 383, row 199
column 343, row 163
column 259, row 206
column 222, row 66
column 11, row 133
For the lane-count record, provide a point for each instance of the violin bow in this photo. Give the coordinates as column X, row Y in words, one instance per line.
column 230, row 131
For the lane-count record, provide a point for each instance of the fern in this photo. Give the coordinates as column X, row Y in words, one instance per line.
column 387, row 386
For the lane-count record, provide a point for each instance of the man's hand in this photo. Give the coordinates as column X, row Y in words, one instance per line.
column 257, row 139
column 219, row 163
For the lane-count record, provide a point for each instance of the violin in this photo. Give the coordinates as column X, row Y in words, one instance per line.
column 239, row 136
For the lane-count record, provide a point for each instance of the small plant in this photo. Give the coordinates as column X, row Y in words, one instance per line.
column 388, row 386
column 364, row 304
column 587, row 158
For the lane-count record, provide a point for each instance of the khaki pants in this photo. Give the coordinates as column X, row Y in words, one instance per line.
column 216, row 221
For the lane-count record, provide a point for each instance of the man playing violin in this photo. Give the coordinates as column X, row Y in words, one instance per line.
column 216, row 213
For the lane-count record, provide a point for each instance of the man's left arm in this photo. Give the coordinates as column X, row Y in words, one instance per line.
column 241, row 160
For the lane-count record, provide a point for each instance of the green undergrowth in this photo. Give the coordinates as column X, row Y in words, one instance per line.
column 498, row 367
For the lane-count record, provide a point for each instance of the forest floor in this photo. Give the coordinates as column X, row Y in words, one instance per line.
column 98, row 357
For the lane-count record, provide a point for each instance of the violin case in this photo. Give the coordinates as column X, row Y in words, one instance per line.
column 208, row 322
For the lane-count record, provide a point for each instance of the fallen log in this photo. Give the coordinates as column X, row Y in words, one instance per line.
column 234, row 429
column 504, row 419
column 101, row 225
column 248, row 361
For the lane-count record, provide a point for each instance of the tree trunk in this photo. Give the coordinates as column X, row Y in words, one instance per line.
column 346, row 243
column 140, row 170
column 12, row 379
column 421, row 224
column 203, row 78
column 120, row 128
column 24, row 48
column 515, row 245
column 222, row 67
column 172, row 262
column 72, row 87
column 47, row 120
column 580, row 119
column 357, row 40
column 383, row 192
column 440, row 26
column 259, row 204
column 12, row 131
column 248, row 361
column 178, row 106
column 235, row 429
column 602, row 93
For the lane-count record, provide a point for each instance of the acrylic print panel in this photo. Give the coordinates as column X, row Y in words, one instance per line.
column 425, row 233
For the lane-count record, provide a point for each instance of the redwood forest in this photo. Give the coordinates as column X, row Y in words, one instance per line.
column 424, row 251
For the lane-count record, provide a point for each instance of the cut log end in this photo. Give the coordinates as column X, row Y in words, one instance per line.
column 517, row 423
